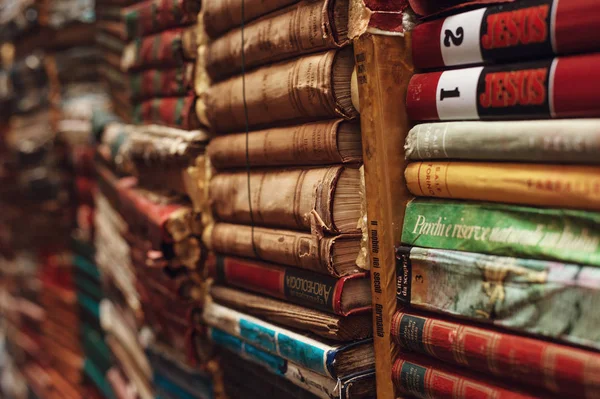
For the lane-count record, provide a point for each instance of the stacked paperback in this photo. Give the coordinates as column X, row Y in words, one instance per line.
column 502, row 241
column 288, row 293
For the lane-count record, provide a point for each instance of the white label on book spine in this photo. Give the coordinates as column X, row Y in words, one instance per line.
column 456, row 96
column 460, row 37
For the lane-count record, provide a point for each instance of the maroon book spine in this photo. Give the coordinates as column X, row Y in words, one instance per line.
column 305, row 288
column 557, row 368
column 425, row 379
column 177, row 112
column 563, row 87
column 526, row 29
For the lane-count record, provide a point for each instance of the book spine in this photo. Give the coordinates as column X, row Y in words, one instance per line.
column 307, row 144
column 569, row 186
column 221, row 16
column 323, row 387
column 285, row 198
column 296, row 348
column 525, row 29
column 172, row 82
column 551, row 141
column 153, row 16
column 297, row 90
column 384, row 66
column 513, row 288
column 498, row 229
column 417, row 377
column 513, row 91
column 170, row 48
column 177, row 112
column 558, row 369
column 304, row 28
column 295, row 285
column 284, row 247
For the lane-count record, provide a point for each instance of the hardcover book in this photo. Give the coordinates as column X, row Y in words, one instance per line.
column 325, row 325
column 328, row 360
column 499, row 229
column 306, row 27
column 335, row 256
column 573, row 141
column 172, row 82
column 175, row 112
column 525, row 29
column 527, row 295
column 315, row 86
column 300, row 199
column 316, row 143
column 353, row 386
column 568, row 186
column 563, row 87
column 561, row 370
column 152, row 16
column 343, row 296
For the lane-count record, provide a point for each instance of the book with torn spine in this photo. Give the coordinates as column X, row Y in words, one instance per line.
column 335, row 256
column 322, row 324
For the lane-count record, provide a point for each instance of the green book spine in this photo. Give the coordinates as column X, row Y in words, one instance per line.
column 498, row 229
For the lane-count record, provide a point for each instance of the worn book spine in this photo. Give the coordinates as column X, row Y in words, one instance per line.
column 295, row 285
column 315, row 86
column 425, row 379
column 221, row 16
column 172, row 82
column 287, row 199
column 284, row 247
column 384, row 67
column 302, row 350
column 152, row 16
column 563, row 87
column 547, row 141
column 322, row 387
column 525, row 29
column 558, row 369
column 307, row 27
column 170, row 48
column 569, row 186
column 315, row 143
column 499, row 229
column 177, row 112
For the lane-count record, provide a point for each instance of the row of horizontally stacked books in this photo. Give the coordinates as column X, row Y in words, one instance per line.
column 505, row 229
column 285, row 197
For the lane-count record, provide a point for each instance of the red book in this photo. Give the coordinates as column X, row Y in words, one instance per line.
column 564, row 87
column 425, row 379
column 559, row 369
column 344, row 296
column 177, row 81
column 428, row 8
column 177, row 112
column 526, row 29
column 153, row 16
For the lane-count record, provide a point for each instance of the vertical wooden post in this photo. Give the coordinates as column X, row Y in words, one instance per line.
column 384, row 67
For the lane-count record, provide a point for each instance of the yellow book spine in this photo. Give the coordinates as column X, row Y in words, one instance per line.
column 566, row 186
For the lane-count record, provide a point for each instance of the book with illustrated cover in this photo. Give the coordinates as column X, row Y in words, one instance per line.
column 329, row 360
column 573, row 141
column 568, row 186
column 526, row 295
column 322, row 324
column 563, row 87
column 343, row 296
column 504, row 32
column 558, row 369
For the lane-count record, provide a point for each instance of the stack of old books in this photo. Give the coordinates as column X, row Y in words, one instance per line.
column 285, row 195
column 505, row 229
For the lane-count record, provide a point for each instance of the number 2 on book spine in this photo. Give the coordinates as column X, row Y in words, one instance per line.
column 454, row 38
column 449, row 93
